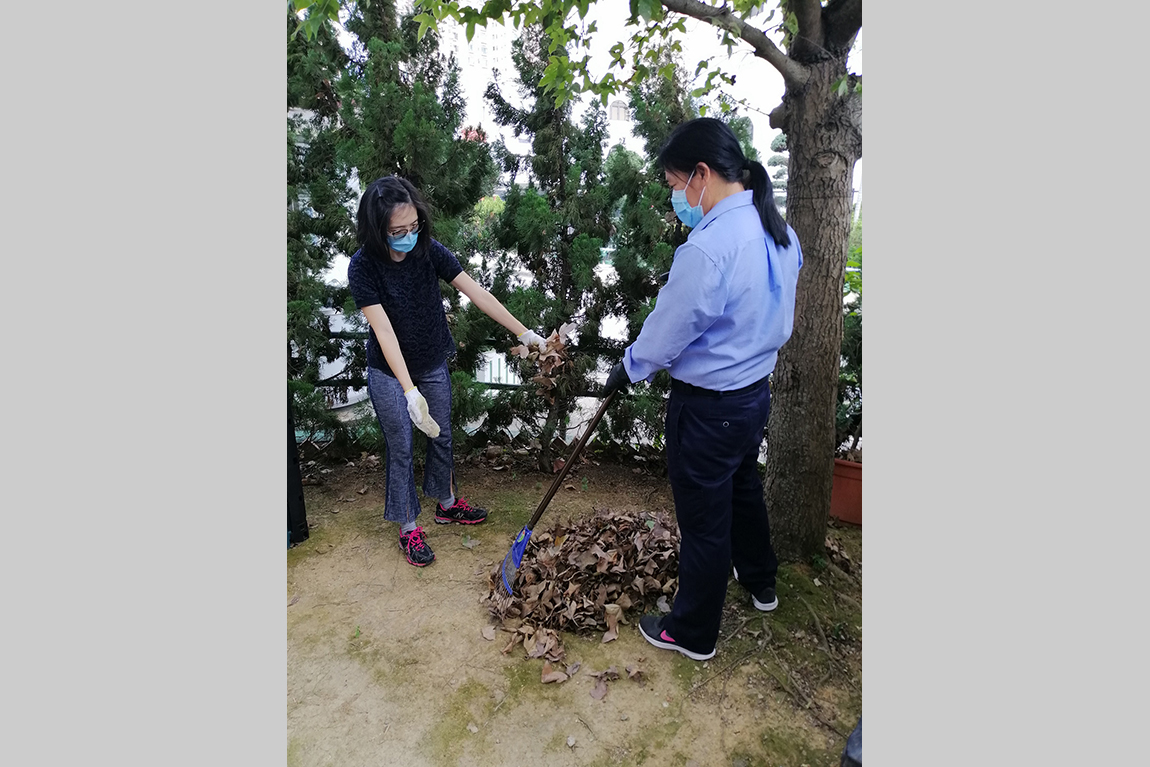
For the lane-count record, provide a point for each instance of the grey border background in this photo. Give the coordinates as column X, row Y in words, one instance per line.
column 1005, row 505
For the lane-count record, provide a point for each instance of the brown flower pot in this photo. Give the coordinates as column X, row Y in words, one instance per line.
column 846, row 492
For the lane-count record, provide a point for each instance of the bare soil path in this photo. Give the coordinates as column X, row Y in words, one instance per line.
column 388, row 664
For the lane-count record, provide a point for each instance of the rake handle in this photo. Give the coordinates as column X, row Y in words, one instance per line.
column 570, row 460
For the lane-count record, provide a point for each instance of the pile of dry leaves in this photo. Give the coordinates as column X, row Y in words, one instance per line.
column 587, row 576
column 549, row 361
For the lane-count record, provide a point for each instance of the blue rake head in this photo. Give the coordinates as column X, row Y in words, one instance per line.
column 514, row 557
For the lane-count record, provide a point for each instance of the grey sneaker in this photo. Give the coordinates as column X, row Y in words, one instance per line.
column 769, row 600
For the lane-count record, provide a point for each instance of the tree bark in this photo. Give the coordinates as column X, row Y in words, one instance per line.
column 824, row 139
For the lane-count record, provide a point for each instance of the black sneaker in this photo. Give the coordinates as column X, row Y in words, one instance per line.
column 461, row 511
column 415, row 548
column 651, row 627
column 769, row 599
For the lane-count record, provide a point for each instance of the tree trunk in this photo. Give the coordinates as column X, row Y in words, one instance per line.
column 546, row 456
column 824, row 138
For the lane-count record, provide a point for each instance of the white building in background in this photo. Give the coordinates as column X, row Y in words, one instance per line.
column 621, row 128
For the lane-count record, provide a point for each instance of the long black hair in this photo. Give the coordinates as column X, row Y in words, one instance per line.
column 378, row 202
column 712, row 141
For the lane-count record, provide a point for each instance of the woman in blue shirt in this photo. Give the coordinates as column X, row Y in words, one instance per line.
column 718, row 323
column 394, row 279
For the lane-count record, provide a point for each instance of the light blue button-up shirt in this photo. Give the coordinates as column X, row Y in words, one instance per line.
column 728, row 305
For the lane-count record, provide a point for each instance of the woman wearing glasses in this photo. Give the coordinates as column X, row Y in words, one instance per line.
column 394, row 279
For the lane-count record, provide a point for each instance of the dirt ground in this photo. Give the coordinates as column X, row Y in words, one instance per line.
column 388, row 664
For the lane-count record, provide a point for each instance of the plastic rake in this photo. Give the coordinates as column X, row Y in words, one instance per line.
column 514, row 557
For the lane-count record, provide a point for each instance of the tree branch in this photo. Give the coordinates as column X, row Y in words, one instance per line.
column 842, row 22
column 794, row 74
column 809, row 15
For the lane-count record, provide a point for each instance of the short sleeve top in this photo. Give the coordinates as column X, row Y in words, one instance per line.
column 408, row 291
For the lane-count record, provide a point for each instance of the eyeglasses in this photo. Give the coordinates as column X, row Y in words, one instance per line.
column 404, row 232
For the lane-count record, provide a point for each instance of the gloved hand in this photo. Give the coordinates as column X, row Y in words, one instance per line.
column 530, row 338
column 417, row 409
column 617, row 379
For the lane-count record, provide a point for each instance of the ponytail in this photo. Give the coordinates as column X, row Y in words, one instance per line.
column 763, row 195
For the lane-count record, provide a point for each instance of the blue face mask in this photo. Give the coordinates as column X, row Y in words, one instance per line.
column 691, row 216
column 403, row 244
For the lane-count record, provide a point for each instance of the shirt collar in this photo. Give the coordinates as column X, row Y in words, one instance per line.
column 730, row 202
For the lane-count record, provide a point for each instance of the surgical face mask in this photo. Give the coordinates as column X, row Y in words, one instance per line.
column 691, row 216
column 403, row 244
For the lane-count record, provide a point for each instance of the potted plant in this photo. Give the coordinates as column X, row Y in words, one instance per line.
column 846, row 492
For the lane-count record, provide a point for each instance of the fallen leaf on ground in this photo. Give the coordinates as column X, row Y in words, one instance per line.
column 516, row 638
column 600, row 689
column 551, row 675
column 364, row 490
column 472, row 726
column 489, row 633
column 296, row 599
column 613, row 612
column 469, row 542
column 570, row 741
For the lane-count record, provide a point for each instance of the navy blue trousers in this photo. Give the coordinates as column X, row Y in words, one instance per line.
column 712, row 463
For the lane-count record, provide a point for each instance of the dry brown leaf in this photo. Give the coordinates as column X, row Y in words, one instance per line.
column 612, row 614
column 600, row 689
column 489, row 633
column 550, row 675
column 516, row 638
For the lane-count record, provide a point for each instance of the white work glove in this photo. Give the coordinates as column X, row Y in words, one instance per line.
column 417, row 409
column 530, row 338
